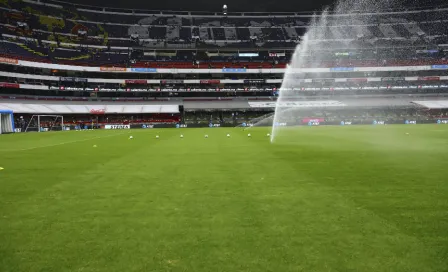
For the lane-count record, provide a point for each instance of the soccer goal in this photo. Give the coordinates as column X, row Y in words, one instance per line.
column 6, row 121
column 42, row 123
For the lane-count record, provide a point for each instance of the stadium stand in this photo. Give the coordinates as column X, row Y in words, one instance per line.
column 56, row 57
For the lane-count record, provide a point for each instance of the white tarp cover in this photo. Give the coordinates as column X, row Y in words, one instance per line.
column 297, row 104
column 86, row 108
column 433, row 104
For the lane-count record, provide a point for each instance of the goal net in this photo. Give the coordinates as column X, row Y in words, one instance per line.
column 43, row 123
column 6, row 122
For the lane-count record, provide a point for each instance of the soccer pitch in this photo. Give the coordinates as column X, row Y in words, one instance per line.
column 359, row 198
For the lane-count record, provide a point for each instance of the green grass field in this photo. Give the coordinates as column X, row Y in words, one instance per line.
column 343, row 199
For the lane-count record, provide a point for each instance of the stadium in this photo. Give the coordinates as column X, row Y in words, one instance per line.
column 245, row 138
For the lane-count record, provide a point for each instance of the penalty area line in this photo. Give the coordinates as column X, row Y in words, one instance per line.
column 63, row 143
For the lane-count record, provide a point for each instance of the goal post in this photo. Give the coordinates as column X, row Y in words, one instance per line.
column 6, row 121
column 42, row 123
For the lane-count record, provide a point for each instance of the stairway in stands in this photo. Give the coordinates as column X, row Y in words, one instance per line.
column 32, row 50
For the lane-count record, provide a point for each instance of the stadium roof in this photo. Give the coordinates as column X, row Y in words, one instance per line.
column 267, row 6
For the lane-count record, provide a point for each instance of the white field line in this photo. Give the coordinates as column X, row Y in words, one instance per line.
column 63, row 143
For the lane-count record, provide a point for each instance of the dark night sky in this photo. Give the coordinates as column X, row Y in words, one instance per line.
column 234, row 5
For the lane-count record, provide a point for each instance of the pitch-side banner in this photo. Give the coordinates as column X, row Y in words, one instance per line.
column 342, row 69
column 252, row 89
column 224, row 70
column 9, row 85
column 210, row 81
column 314, row 120
column 8, row 60
column 171, row 81
column 136, row 81
column 323, row 80
column 272, row 54
column 429, row 78
column 143, row 70
column 254, row 81
column 117, row 127
column 218, row 81
column 357, row 79
column 112, row 69
column 73, row 79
